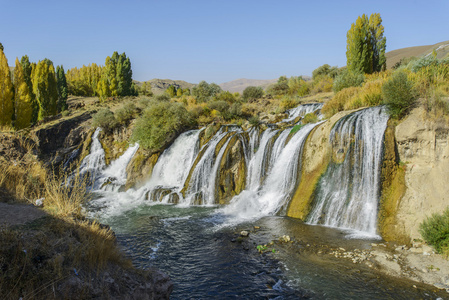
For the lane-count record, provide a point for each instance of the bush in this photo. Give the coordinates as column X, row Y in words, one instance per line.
column 309, row 118
column 221, row 106
column 347, row 79
column 322, row 84
column 398, row 94
column 338, row 102
column 163, row 97
column 125, row 113
column 254, row 120
column 287, row 103
column 160, row 123
column 225, row 96
column 252, row 92
column 435, row 231
column 105, row 119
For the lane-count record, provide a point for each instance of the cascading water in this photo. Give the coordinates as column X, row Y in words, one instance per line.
column 201, row 188
column 94, row 162
column 172, row 168
column 272, row 196
column 301, row 111
column 348, row 192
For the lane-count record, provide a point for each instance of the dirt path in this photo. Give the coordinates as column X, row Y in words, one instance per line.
column 18, row 214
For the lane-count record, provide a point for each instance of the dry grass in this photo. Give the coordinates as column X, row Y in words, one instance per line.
column 24, row 177
column 36, row 259
column 65, row 194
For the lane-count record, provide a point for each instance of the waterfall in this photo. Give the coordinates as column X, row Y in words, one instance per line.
column 301, row 111
column 94, row 162
column 272, row 196
column 348, row 192
column 172, row 168
column 111, row 177
column 114, row 176
column 201, row 188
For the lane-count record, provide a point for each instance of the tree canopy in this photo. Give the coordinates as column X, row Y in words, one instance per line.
column 366, row 44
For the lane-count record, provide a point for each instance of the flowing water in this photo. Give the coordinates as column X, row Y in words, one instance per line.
column 348, row 193
column 198, row 245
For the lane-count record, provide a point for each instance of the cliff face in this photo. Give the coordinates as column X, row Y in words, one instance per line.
column 424, row 149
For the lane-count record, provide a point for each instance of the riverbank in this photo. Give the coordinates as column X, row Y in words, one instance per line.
column 47, row 257
column 325, row 253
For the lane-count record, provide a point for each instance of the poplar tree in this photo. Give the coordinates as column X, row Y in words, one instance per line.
column 23, row 106
column 45, row 88
column 365, row 48
column 6, row 92
column 62, row 88
column 27, row 74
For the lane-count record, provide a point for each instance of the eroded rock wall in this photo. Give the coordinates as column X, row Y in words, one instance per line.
column 423, row 147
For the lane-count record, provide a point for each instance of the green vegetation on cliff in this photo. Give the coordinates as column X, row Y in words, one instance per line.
column 160, row 123
column 435, row 231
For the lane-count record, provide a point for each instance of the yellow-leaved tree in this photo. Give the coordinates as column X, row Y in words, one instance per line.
column 6, row 92
column 45, row 88
column 23, row 109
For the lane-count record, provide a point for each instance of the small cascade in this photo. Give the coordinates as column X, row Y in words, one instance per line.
column 201, row 187
column 275, row 192
column 172, row 169
column 348, row 193
column 109, row 178
column 114, row 176
column 95, row 161
column 301, row 111
column 258, row 163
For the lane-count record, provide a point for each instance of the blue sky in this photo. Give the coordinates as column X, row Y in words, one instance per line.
column 216, row 41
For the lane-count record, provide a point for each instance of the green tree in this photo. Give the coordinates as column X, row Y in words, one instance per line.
column 365, row 48
column 28, row 68
column 62, row 88
column 1, row 47
column 205, row 91
column 398, row 94
column 325, row 70
column 6, row 92
column 171, row 91
column 23, row 106
column 45, row 88
column 252, row 92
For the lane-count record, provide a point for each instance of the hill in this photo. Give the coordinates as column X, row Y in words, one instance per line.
column 395, row 56
column 239, row 85
column 158, row 86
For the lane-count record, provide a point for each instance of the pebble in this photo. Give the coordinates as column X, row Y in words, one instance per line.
column 244, row 233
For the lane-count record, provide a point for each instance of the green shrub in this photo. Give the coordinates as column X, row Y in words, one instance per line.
column 309, row 118
column 225, row 96
column 105, row 119
column 252, row 92
column 347, row 79
column 220, row 105
column 160, row 123
column 435, row 231
column 254, row 120
column 398, row 94
column 125, row 113
column 163, row 97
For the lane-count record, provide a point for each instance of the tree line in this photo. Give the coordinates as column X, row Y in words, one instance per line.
column 34, row 91
column 111, row 80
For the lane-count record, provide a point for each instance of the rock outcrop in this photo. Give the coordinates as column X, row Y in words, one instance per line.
column 423, row 147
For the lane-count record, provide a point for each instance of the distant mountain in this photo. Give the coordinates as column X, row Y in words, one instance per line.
column 158, row 86
column 395, row 56
column 239, row 85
